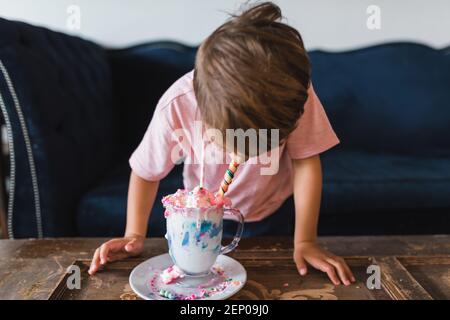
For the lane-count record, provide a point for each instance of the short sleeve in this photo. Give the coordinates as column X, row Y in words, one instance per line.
column 152, row 159
column 313, row 134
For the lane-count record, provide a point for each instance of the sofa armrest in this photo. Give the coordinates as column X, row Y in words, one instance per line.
column 56, row 101
column 4, row 166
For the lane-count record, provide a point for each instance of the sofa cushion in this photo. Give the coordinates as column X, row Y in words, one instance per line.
column 386, row 189
column 363, row 193
column 387, row 98
column 102, row 211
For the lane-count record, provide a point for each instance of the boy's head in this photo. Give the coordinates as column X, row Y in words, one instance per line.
column 252, row 72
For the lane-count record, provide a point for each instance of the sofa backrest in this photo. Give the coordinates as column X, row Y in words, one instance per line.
column 141, row 74
column 393, row 97
column 387, row 98
column 57, row 102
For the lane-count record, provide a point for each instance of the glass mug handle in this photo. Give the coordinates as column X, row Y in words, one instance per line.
column 240, row 228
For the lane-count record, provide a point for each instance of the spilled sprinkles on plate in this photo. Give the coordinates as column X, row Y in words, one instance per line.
column 164, row 283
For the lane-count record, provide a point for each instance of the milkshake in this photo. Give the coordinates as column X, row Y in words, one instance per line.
column 194, row 229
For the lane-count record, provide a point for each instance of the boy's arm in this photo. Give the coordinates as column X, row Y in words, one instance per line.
column 307, row 195
column 141, row 196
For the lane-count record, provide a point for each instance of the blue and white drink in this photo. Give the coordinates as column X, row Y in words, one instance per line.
column 194, row 229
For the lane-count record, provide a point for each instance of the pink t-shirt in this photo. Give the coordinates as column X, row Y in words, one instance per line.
column 256, row 195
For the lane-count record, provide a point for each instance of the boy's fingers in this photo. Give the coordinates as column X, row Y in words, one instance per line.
column 134, row 247
column 130, row 246
column 349, row 272
column 95, row 262
column 112, row 250
column 338, row 263
column 329, row 270
column 117, row 256
column 116, row 245
column 108, row 248
column 104, row 249
column 301, row 266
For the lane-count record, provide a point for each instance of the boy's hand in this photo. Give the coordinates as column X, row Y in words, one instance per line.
column 335, row 267
column 116, row 249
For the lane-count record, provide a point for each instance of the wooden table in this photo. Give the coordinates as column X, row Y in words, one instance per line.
column 412, row 267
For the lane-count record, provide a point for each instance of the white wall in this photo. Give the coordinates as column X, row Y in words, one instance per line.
column 325, row 24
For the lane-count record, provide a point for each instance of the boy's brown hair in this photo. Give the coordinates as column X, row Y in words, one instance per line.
column 252, row 72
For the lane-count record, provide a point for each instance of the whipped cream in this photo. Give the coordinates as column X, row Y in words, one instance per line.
column 197, row 198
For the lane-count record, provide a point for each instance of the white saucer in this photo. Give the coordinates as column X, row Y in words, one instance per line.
column 142, row 275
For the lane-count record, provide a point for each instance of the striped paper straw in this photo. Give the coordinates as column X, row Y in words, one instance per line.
column 228, row 177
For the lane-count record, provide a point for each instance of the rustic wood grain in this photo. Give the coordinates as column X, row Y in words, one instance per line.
column 398, row 282
column 277, row 280
column 432, row 272
column 32, row 269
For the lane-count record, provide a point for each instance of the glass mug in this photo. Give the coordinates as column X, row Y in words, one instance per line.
column 194, row 236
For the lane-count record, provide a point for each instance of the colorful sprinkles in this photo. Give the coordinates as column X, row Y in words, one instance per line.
column 201, row 292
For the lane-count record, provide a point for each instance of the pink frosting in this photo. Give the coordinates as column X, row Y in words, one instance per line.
column 197, row 198
column 171, row 274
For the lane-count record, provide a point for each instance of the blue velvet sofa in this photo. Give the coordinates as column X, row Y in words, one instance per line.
column 74, row 111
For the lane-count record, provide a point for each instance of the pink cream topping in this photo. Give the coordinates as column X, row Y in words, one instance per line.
column 197, row 198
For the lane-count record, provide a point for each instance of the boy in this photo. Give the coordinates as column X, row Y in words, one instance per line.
column 251, row 73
